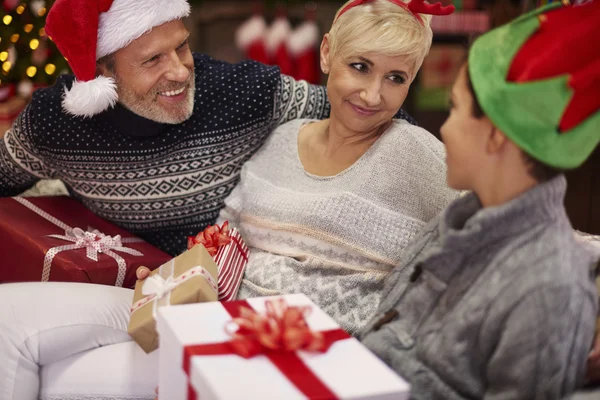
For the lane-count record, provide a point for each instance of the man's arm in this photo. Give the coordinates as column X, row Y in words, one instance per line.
column 298, row 99
column 20, row 165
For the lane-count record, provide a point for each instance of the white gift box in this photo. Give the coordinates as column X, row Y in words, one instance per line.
column 348, row 369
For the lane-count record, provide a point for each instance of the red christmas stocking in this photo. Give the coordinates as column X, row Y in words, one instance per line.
column 303, row 46
column 250, row 38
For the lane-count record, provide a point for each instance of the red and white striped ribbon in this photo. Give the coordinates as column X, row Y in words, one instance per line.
column 232, row 260
column 92, row 240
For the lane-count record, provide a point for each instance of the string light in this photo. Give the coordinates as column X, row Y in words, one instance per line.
column 20, row 9
column 34, row 43
column 28, row 28
column 42, row 32
column 31, row 71
column 50, row 69
column 7, row 19
column 42, row 11
column 6, row 66
column 14, row 38
column 3, row 56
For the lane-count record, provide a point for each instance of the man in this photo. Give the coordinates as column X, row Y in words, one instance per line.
column 147, row 135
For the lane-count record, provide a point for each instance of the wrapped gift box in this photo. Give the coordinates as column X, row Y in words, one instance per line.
column 198, row 358
column 229, row 252
column 190, row 277
column 58, row 239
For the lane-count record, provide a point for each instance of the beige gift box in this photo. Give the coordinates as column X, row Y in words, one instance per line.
column 188, row 278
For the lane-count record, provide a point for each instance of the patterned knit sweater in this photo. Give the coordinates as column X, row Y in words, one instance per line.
column 161, row 182
column 336, row 238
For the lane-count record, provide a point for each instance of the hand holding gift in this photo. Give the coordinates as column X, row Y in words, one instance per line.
column 188, row 278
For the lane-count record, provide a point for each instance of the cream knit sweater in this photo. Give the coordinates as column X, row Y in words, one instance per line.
column 336, row 238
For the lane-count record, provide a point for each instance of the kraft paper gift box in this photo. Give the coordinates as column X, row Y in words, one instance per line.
column 197, row 359
column 188, row 278
column 58, row 239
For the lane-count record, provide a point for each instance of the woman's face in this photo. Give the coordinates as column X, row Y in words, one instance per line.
column 367, row 90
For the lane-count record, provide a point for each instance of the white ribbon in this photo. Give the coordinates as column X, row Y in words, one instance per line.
column 158, row 287
column 162, row 287
column 92, row 240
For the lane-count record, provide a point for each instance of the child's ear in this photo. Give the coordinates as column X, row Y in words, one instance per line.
column 496, row 141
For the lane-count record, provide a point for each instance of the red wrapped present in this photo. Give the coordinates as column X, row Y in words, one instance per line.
column 229, row 251
column 58, row 239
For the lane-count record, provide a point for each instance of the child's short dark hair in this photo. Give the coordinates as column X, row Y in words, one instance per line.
column 538, row 170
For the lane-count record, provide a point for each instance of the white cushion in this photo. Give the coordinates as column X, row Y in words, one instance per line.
column 116, row 372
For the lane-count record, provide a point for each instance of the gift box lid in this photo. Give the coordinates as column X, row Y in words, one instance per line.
column 348, row 368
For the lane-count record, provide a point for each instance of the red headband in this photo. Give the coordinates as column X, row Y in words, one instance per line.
column 415, row 7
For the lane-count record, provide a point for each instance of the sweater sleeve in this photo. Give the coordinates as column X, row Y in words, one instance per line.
column 21, row 166
column 542, row 347
column 299, row 99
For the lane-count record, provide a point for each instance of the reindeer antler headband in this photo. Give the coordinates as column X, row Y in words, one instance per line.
column 415, row 7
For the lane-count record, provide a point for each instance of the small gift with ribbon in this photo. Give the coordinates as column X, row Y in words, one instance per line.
column 266, row 348
column 59, row 239
column 230, row 253
column 188, row 278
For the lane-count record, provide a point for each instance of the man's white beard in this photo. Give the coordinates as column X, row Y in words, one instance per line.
column 146, row 106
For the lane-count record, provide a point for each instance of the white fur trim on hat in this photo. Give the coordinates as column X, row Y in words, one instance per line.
column 304, row 37
column 127, row 20
column 86, row 99
column 278, row 33
column 253, row 29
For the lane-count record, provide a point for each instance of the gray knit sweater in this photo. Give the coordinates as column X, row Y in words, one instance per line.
column 493, row 303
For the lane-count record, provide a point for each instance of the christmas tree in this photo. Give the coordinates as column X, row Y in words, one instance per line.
column 28, row 58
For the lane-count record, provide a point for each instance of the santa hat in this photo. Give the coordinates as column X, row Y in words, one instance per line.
column 87, row 30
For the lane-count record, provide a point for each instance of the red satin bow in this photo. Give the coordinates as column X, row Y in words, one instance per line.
column 282, row 328
column 211, row 238
column 416, row 7
column 275, row 335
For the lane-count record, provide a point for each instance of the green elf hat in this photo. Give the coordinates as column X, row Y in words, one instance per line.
column 538, row 80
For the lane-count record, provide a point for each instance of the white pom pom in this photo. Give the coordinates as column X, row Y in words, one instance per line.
column 86, row 99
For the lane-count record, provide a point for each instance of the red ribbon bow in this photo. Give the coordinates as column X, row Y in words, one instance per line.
column 277, row 335
column 211, row 238
column 282, row 328
column 415, row 7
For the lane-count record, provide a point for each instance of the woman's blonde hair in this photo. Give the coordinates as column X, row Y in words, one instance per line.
column 380, row 27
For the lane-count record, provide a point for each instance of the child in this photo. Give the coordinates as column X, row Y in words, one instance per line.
column 495, row 298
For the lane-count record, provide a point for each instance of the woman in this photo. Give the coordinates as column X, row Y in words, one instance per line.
column 327, row 207
column 495, row 298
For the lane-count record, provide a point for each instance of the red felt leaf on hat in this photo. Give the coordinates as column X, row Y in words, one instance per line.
column 566, row 43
